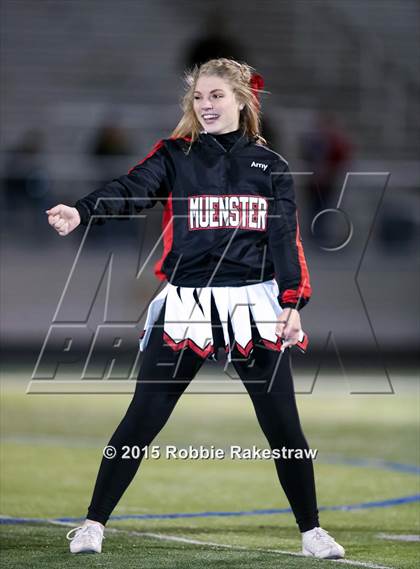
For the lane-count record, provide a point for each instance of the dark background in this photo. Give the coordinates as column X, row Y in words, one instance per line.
column 88, row 87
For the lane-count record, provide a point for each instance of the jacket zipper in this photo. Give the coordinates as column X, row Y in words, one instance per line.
column 221, row 146
column 225, row 168
column 226, row 152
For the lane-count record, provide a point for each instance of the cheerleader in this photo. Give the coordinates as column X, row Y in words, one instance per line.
column 235, row 278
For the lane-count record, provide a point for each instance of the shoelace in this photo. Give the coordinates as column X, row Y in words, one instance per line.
column 323, row 536
column 82, row 529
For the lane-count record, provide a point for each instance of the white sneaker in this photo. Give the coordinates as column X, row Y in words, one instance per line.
column 88, row 538
column 318, row 543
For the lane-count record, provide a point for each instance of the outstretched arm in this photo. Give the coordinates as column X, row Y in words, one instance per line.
column 142, row 187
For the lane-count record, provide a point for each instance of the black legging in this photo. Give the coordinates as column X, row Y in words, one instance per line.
column 157, row 391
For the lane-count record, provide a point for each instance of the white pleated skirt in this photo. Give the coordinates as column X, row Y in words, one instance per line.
column 188, row 317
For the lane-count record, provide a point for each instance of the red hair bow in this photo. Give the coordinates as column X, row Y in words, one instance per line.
column 257, row 84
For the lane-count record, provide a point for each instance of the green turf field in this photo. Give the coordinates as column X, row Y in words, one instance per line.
column 51, row 449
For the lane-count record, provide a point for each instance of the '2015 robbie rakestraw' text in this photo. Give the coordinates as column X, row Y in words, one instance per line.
column 233, row 452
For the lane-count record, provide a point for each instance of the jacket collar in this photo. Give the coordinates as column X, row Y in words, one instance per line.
column 207, row 139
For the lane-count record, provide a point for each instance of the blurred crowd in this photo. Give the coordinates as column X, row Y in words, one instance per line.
column 325, row 150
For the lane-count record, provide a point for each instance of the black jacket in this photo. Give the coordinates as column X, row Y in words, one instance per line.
column 229, row 215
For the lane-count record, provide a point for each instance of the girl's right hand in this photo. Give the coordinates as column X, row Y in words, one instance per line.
column 63, row 218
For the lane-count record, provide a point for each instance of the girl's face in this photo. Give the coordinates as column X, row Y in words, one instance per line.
column 215, row 105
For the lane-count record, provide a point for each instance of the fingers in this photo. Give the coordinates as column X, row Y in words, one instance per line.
column 63, row 218
column 280, row 326
column 287, row 323
column 59, row 224
column 294, row 338
column 288, row 326
column 56, row 221
column 53, row 220
column 288, row 343
column 56, row 210
column 63, row 231
column 289, row 332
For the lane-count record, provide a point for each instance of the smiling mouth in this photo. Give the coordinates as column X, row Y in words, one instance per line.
column 210, row 117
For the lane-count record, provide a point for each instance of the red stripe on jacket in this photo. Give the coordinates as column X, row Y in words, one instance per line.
column 304, row 288
column 167, row 225
column 168, row 237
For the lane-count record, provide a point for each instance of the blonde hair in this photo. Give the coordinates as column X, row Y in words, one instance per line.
column 238, row 75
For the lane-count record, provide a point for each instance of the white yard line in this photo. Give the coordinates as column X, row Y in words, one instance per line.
column 166, row 537
column 395, row 537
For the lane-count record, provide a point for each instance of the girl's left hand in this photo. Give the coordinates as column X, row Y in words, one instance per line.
column 289, row 327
